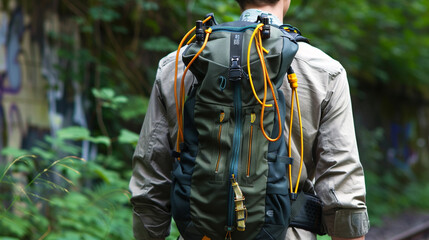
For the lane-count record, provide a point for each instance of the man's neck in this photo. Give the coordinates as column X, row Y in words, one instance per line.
column 275, row 9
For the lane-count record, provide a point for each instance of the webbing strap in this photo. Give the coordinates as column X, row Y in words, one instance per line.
column 272, row 157
column 240, row 209
column 284, row 159
column 235, row 70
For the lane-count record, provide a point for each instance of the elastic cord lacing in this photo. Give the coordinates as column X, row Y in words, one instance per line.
column 260, row 49
column 293, row 81
column 180, row 102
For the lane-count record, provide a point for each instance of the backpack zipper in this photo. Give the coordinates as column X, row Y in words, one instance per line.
column 233, row 168
column 221, row 118
column 252, row 120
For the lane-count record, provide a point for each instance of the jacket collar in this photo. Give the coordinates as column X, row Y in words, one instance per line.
column 251, row 15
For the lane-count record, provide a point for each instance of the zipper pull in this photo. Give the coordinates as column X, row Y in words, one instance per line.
column 252, row 117
column 240, row 209
column 228, row 232
column 221, row 117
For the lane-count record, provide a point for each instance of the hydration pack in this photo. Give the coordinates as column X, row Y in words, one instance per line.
column 230, row 176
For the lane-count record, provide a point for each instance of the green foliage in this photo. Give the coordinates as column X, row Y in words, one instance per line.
column 148, row 5
column 160, row 44
column 379, row 42
column 324, row 237
column 135, row 109
column 174, row 232
column 226, row 10
column 103, row 13
column 99, row 208
column 392, row 193
column 389, row 190
column 370, row 147
column 68, row 198
column 108, row 98
column 128, row 137
column 81, row 134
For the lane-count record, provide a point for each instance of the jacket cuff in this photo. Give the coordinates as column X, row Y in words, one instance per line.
column 148, row 232
column 347, row 223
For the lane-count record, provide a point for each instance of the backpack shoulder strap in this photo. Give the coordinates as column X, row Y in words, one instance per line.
column 294, row 33
column 211, row 22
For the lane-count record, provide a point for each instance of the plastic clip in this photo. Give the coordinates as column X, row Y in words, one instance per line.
column 235, row 70
column 266, row 32
column 266, row 28
column 199, row 31
column 293, row 196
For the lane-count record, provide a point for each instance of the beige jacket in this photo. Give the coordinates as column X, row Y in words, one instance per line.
column 332, row 168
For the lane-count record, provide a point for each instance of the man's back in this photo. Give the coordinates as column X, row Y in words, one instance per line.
column 328, row 131
column 331, row 163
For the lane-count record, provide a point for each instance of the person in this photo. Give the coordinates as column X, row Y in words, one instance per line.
column 332, row 168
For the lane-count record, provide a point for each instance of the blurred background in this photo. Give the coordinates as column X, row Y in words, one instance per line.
column 75, row 77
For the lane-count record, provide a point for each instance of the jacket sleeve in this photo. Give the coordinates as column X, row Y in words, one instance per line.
column 151, row 180
column 339, row 177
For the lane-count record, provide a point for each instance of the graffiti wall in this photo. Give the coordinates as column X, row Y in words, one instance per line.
column 22, row 87
column 34, row 100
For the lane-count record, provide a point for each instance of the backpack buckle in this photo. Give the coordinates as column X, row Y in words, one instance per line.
column 235, row 70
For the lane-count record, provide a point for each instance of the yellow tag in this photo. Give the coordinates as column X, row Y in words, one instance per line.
column 252, row 117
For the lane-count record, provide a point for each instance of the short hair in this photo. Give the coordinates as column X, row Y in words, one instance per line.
column 243, row 3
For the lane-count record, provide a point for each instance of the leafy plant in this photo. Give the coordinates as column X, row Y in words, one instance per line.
column 108, row 98
column 81, row 134
column 68, row 198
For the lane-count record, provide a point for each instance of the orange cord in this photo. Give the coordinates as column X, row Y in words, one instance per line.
column 181, row 103
column 178, row 110
column 290, row 140
column 260, row 49
column 293, row 81
column 302, row 142
column 248, row 62
column 182, row 85
column 294, row 85
column 191, row 40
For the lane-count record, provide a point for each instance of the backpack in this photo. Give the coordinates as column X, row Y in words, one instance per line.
column 229, row 180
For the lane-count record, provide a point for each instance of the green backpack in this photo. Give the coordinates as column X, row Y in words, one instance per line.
column 230, row 174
